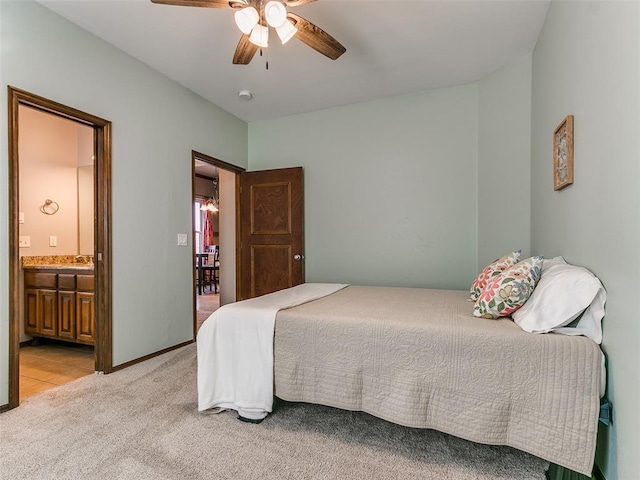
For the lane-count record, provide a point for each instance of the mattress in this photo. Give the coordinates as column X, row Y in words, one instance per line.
column 418, row 358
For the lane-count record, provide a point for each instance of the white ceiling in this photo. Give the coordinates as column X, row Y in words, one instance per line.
column 204, row 169
column 394, row 47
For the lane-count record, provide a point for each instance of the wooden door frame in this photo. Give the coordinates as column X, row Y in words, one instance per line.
column 103, row 352
column 237, row 171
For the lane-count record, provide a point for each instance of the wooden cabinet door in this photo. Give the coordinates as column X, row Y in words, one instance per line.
column 31, row 324
column 67, row 315
column 85, row 317
column 48, row 312
column 271, row 231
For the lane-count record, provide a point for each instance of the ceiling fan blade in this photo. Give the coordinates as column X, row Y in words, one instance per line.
column 297, row 3
column 244, row 52
column 316, row 38
column 196, row 3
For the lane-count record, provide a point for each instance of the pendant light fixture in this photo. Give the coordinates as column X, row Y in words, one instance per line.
column 212, row 204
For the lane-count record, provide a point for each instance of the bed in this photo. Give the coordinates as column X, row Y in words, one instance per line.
column 412, row 356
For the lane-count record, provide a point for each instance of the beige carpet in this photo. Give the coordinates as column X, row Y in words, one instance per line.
column 142, row 423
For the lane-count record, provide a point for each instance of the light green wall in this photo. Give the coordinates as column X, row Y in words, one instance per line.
column 587, row 63
column 404, row 191
column 504, row 162
column 390, row 188
column 156, row 124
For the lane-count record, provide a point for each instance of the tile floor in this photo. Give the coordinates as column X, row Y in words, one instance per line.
column 51, row 364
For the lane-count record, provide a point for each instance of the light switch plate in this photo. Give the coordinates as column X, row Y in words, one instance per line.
column 53, row 241
column 21, row 217
column 182, row 239
column 24, row 241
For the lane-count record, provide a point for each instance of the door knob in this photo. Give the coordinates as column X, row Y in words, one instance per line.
column 298, row 257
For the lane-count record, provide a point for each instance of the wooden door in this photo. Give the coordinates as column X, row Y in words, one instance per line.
column 271, row 231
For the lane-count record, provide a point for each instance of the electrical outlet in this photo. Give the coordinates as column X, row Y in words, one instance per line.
column 24, row 241
column 53, row 241
column 182, row 239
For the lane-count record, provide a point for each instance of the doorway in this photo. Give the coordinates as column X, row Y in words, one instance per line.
column 215, row 186
column 98, row 317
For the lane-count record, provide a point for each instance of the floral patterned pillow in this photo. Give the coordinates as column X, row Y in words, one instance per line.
column 509, row 290
column 491, row 271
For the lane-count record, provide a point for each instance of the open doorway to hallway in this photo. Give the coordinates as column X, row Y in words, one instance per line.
column 214, row 235
column 206, row 239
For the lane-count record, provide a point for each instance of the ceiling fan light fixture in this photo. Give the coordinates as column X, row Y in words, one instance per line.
column 260, row 36
column 275, row 13
column 286, row 31
column 246, row 19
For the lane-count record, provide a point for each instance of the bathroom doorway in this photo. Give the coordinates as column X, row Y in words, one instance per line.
column 47, row 302
column 56, row 246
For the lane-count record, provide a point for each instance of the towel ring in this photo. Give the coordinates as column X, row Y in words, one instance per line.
column 50, row 207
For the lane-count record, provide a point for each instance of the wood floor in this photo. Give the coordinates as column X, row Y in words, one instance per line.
column 51, row 364
column 206, row 304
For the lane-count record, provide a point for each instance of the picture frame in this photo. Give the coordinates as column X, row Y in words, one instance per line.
column 563, row 154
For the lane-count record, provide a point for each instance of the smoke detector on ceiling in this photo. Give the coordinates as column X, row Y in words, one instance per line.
column 245, row 95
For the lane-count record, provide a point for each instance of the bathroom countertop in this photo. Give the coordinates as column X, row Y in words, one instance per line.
column 58, row 262
column 61, row 266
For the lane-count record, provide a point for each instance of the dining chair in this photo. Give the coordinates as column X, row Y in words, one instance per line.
column 216, row 268
column 204, row 273
column 212, row 267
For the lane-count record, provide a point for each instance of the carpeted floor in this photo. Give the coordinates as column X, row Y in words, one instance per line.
column 142, row 423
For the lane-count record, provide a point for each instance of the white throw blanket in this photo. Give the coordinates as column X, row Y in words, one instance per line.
column 235, row 350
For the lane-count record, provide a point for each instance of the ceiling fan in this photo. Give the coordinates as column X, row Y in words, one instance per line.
column 254, row 17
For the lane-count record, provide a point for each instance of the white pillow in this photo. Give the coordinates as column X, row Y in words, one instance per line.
column 563, row 293
column 590, row 325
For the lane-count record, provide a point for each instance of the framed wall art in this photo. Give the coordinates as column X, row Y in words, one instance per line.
column 563, row 154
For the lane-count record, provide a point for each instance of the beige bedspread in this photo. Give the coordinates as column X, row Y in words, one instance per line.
column 418, row 358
